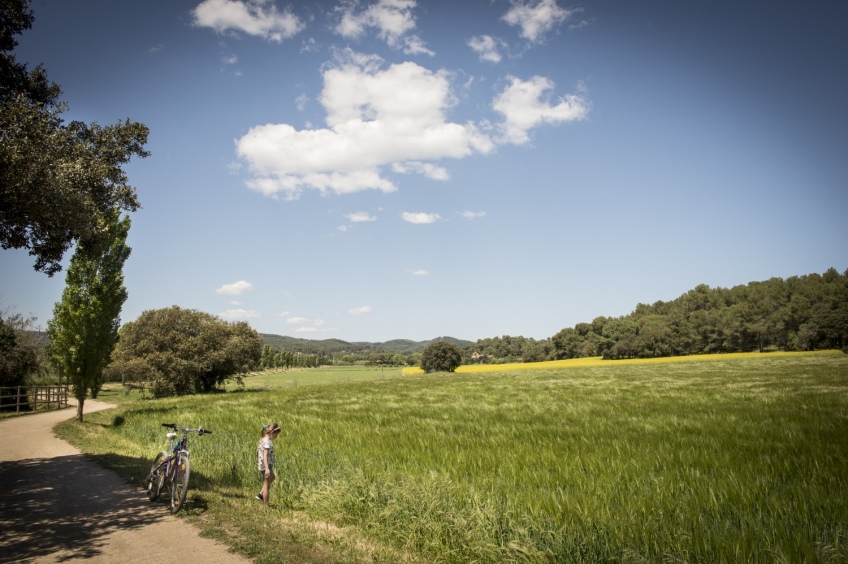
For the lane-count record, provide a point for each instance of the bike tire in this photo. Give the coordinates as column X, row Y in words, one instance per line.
column 156, row 478
column 179, row 488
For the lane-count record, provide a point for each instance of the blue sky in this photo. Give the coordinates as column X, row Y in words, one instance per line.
column 390, row 169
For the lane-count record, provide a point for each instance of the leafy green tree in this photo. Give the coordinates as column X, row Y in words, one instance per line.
column 20, row 355
column 58, row 183
column 182, row 351
column 441, row 356
column 85, row 323
column 540, row 351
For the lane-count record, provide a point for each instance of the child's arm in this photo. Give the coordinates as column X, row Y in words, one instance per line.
column 265, row 461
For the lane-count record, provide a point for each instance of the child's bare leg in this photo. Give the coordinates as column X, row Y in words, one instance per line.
column 266, row 488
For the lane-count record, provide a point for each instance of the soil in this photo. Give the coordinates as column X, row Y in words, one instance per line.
column 57, row 506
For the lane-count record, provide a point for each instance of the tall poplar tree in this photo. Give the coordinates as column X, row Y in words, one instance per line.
column 85, row 323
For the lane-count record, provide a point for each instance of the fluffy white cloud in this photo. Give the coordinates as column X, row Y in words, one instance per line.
column 486, row 48
column 420, row 218
column 536, row 17
column 239, row 314
column 429, row 170
column 234, row 289
column 392, row 19
column 524, row 105
column 358, row 217
column 472, row 215
column 254, row 17
column 375, row 117
column 311, row 323
column 420, row 272
column 360, row 310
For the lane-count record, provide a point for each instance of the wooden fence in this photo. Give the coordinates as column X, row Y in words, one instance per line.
column 33, row 398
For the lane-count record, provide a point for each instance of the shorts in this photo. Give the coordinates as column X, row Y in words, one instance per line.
column 262, row 473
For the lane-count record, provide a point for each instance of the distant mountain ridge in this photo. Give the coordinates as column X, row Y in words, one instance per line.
column 337, row 346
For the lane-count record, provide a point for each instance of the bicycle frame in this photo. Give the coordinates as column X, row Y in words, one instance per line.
column 172, row 467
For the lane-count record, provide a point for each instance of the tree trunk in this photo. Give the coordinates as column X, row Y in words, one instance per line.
column 79, row 393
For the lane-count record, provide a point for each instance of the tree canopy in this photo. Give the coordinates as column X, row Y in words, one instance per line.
column 798, row 313
column 441, row 356
column 180, row 351
column 58, row 182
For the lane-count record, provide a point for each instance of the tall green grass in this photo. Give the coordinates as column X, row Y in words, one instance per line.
column 734, row 460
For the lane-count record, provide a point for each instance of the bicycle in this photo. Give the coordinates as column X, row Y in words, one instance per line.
column 172, row 467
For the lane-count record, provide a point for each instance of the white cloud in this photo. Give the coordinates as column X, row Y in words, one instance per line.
column 309, row 46
column 234, row 289
column 536, row 17
column 523, row 106
column 254, row 17
column 429, row 170
column 282, row 314
column 300, row 102
column 419, row 272
column 420, row 218
column 306, row 330
column 469, row 215
column 374, row 118
column 486, row 48
column 310, row 323
column 358, row 217
column 239, row 314
column 392, row 19
column 360, row 310
column 342, row 228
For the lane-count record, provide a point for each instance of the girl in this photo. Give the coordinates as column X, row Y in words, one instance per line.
column 266, row 460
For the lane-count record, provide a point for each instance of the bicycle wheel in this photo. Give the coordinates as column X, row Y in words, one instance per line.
column 179, row 488
column 156, row 478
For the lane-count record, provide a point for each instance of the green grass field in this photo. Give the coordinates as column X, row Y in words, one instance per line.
column 724, row 460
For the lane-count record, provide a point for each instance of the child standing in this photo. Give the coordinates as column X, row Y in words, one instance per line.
column 266, row 460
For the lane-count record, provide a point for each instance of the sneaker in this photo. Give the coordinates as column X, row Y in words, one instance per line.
column 260, row 498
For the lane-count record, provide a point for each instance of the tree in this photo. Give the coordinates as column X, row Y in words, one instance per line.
column 182, row 351
column 441, row 356
column 85, row 323
column 20, row 355
column 58, row 183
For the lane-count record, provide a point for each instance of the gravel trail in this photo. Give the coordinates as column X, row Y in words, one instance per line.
column 58, row 506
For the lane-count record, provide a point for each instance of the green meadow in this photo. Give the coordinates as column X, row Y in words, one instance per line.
column 727, row 460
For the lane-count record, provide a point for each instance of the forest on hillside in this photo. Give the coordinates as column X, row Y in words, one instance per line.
column 799, row 313
column 338, row 347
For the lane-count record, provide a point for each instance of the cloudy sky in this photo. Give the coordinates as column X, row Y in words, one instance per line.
column 380, row 169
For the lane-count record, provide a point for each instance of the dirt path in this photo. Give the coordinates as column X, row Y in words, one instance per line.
column 56, row 505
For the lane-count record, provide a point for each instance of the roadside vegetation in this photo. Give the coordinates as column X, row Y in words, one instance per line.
column 726, row 458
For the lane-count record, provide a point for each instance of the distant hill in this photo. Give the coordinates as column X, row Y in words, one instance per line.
column 337, row 346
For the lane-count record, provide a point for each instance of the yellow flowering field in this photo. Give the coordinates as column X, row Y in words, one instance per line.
column 597, row 361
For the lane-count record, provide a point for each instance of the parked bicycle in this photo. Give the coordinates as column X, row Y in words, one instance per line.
column 171, row 468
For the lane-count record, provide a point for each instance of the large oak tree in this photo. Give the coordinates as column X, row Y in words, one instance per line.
column 178, row 351
column 58, row 182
